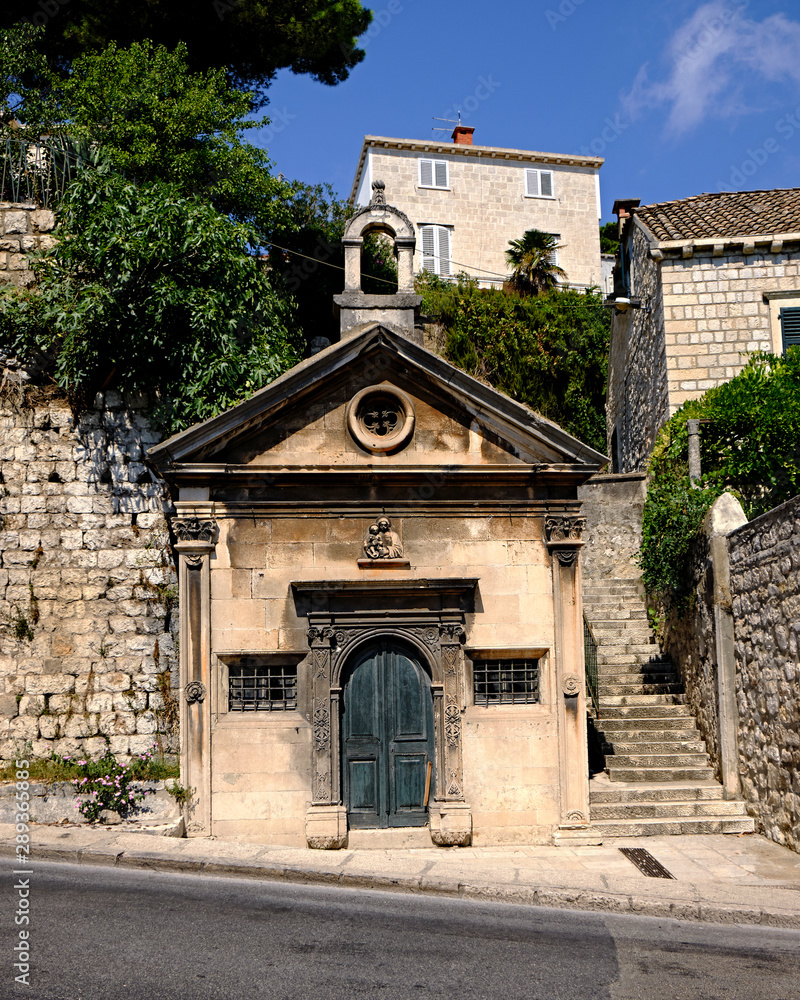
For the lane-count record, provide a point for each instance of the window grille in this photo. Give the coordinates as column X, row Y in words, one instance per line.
column 506, row 682
column 271, row 688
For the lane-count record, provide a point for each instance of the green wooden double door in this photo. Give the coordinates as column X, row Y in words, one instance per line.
column 387, row 738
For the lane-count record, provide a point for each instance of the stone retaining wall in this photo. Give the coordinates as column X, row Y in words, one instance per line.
column 23, row 230
column 88, row 596
column 612, row 506
column 765, row 588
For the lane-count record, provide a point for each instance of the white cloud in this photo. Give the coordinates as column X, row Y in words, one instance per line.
column 718, row 58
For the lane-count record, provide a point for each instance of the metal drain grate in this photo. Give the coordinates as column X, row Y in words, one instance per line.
column 645, row 862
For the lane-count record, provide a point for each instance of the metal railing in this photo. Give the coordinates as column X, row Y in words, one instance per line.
column 37, row 171
column 590, row 656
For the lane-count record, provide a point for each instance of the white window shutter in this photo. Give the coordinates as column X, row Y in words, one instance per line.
column 426, row 173
column 532, row 183
column 546, row 183
column 444, row 252
column 552, row 257
column 428, row 249
column 441, row 173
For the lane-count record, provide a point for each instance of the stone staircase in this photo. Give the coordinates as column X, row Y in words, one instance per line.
column 659, row 780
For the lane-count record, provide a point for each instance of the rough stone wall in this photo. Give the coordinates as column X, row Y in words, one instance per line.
column 23, row 230
column 612, row 506
column 765, row 586
column 690, row 641
column 637, row 405
column 86, row 583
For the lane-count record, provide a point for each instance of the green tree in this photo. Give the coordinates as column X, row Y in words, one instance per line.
column 253, row 39
column 150, row 291
column 548, row 351
column 609, row 238
column 533, row 260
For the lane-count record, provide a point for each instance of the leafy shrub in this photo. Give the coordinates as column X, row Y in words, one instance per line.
column 548, row 351
column 750, row 445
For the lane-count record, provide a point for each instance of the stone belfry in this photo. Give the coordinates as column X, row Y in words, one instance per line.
column 398, row 311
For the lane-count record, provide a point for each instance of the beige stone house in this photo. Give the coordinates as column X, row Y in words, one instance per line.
column 699, row 284
column 381, row 613
column 467, row 201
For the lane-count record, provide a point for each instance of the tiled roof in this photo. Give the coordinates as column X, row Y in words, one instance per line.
column 724, row 215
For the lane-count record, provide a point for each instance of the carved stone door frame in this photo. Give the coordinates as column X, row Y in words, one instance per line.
column 436, row 634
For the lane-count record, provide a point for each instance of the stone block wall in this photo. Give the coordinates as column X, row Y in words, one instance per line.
column 765, row 587
column 24, row 229
column 612, row 506
column 637, row 404
column 88, row 602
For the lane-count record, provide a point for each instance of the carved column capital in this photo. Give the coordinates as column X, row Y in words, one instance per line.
column 192, row 529
column 563, row 536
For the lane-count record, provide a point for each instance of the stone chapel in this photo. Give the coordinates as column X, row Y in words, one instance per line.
column 381, row 615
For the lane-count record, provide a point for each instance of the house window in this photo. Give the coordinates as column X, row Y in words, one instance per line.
column 262, row 688
column 539, row 184
column 506, row 682
column 436, row 250
column 433, row 173
column 552, row 258
column 790, row 327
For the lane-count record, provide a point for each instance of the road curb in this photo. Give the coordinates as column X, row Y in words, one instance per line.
column 547, row 896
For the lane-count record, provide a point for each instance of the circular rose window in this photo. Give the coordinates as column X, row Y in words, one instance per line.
column 381, row 418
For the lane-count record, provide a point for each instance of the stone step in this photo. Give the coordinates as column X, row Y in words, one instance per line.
column 657, row 760
column 659, row 773
column 631, row 700
column 619, row 747
column 623, row 636
column 613, row 587
column 616, row 737
column 638, row 669
column 648, row 710
column 643, row 677
column 606, row 690
column 674, row 808
column 626, row 655
column 672, row 827
column 608, row 614
column 601, row 792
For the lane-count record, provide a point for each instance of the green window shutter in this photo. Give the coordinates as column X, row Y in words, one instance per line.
column 790, row 327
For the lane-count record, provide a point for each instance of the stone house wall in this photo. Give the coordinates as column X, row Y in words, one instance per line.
column 701, row 316
column 87, row 587
column 486, row 206
column 612, row 506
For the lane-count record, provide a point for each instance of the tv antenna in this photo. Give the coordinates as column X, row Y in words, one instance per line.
column 451, row 120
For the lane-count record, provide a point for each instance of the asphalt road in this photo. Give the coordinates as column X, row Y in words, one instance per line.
column 113, row 934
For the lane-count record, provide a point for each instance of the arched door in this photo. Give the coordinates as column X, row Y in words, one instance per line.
column 387, row 738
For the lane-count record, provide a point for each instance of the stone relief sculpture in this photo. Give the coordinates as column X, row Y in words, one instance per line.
column 381, row 542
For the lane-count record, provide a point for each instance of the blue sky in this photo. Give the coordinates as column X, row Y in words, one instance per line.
column 679, row 97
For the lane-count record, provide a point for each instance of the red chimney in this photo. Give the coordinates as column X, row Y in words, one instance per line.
column 462, row 135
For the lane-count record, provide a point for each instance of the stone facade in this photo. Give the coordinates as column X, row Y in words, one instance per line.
column 276, row 499
column 741, row 677
column 698, row 309
column 485, row 203
column 24, row 229
column 613, row 506
column 87, row 587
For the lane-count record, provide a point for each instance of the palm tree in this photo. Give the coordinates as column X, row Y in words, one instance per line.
column 533, row 259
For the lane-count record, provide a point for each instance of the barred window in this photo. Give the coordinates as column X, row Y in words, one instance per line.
column 506, row 682
column 263, row 688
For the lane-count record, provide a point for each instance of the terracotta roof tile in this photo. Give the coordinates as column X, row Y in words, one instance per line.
column 724, row 215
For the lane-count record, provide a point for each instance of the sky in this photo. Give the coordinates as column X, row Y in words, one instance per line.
column 679, row 97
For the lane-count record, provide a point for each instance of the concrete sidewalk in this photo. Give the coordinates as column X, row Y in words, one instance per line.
column 719, row 878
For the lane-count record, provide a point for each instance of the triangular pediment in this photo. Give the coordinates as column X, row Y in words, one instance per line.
column 310, row 417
